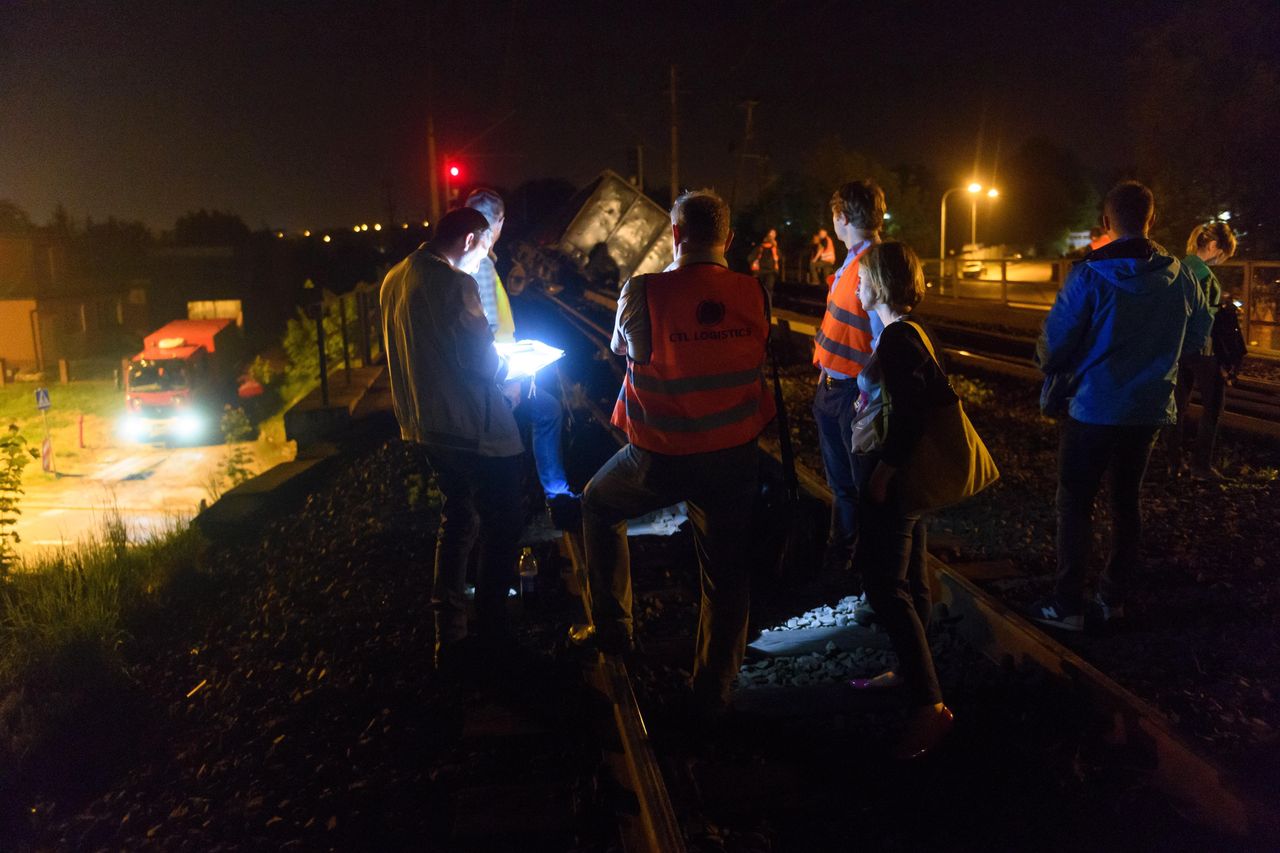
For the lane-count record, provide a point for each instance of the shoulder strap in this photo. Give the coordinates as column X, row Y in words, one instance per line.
column 928, row 344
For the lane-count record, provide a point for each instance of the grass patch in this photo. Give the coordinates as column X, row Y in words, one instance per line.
column 64, row 619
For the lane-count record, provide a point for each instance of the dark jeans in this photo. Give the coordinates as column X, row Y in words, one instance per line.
column 719, row 489
column 544, row 416
column 891, row 556
column 833, row 415
column 1203, row 371
column 481, row 498
column 767, row 279
column 1085, row 453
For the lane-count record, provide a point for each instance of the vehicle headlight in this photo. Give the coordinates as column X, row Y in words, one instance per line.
column 188, row 425
column 133, row 427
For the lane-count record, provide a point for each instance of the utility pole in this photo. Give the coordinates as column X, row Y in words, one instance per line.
column 742, row 153
column 434, row 165
column 675, row 141
column 640, row 166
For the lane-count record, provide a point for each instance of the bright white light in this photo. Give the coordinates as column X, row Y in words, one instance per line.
column 133, row 428
column 188, row 425
column 306, row 233
column 377, row 226
column 525, row 358
column 1237, row 303
column 887, row 217
column 364, row 226
column 327, row 238
column 1225, row 216
column 975, row 187
column 993, row 193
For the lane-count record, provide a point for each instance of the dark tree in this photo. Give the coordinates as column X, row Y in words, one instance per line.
column 1205, row 114
column 1049, row 195
column 210, row 228
column 13, row 219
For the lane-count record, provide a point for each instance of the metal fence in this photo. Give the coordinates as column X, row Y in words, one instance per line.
column 1034, row 283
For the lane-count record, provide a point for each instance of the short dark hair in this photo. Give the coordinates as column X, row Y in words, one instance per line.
column 1130, row 206
column 703, row 217
column 457, row 224
column 487, row 202
column 862, row 203
column 894, row 274
column 1207, row 232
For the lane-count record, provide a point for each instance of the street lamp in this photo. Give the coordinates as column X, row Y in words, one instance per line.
column 973, row 189
column 973, row 211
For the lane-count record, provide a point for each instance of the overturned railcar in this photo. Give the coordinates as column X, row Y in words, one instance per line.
column 615, row 231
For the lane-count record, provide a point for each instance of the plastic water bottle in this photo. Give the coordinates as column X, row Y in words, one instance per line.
column 528, row 573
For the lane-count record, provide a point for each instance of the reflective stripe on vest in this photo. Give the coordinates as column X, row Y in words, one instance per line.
column 703, row 388
column 843, row 343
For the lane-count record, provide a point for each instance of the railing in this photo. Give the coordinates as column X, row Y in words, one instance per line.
column 1034, row 283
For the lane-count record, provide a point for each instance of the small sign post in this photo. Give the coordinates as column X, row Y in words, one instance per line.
column 46, row 447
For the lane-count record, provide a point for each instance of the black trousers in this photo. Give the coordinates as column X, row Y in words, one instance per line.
column 719, row 489
column 1200, row 370
column 481, row 499
column 891, row 556
column 1086, row 452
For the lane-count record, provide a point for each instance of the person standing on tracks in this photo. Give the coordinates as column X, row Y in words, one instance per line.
column 842, row 346
column 892, row 544
column 692, row 405
column 538, row 407
column 823, row 261
column 445, row 376
column 1210, row 244
column 766, row 263
column 1120, row 323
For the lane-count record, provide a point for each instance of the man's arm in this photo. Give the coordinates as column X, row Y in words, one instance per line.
column 631, row 330
column 1066, row 325
column 473, row 349
column 487, row 284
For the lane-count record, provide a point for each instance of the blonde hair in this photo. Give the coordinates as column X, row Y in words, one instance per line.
column 1207, row 232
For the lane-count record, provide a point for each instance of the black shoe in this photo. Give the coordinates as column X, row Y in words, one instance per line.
column 1103, row 610
column 566, row 511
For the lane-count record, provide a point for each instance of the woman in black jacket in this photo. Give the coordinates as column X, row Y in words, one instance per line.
column 891, row 546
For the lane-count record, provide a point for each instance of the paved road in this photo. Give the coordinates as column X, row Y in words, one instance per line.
column 151, row 488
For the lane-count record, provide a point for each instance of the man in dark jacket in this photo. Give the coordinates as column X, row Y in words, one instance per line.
column 1124, row 316
column 445, row 391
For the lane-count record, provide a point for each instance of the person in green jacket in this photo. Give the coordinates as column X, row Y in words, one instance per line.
column 1210, row 244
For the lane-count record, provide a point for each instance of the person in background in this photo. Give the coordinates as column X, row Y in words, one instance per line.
column 1124, row 317
column 823, row 262
column 891, row 542
column 537, row 408
column 1209, row 245
column 842, row 346
column 766, row 263
column 693, row 402
column 445, row 376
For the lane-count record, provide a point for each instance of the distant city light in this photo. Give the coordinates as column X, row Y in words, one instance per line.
column 1225, row 216
column 327, row 238
column 280, row 235
column 404, row 225
column 425, row 223
column 887, row 217
column 993, row 193
column 377, row 226
column 364, row 226
column 306, row 233
column 356, row 229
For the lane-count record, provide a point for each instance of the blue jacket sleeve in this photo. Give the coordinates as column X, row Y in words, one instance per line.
column 1068, row 322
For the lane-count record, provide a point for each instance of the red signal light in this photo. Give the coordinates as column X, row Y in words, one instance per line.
column 454, row 171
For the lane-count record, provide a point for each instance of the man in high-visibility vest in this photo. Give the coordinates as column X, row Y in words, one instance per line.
column 538, row 409
column 824, row 257
column 841, row 347
column 692, row 404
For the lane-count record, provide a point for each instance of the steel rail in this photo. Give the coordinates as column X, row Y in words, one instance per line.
column 655, row 829
column 1205, row 792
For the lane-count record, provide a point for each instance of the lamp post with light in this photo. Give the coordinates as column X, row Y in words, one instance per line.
column 992, row 193
column 973, row 188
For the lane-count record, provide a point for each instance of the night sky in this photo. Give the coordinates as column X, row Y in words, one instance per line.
column 301, row 115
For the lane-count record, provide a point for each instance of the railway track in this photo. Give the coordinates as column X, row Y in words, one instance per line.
column 1200, row 789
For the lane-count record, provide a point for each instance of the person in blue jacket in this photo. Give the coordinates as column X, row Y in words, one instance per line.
column 1124, row 317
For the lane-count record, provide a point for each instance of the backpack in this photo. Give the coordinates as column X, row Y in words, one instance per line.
column 1228, row 341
